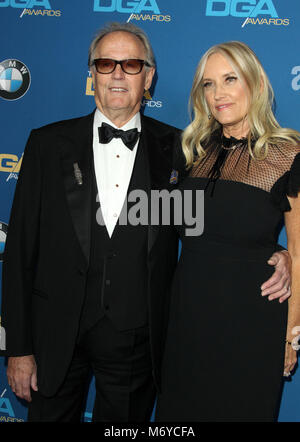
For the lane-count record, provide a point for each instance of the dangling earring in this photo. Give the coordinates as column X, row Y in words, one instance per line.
column 209, row 116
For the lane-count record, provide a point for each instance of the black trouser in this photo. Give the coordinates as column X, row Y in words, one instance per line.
column 121, row 364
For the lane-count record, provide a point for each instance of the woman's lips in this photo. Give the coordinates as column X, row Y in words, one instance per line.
column 221, row 107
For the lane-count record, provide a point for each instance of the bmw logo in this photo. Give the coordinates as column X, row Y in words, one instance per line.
column 3, row 233
column 14, row 79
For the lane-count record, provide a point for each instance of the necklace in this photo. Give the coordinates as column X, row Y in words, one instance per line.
column 229, row 148
column 231, row 143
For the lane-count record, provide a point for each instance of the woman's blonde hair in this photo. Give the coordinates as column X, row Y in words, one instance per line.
column 264, row 127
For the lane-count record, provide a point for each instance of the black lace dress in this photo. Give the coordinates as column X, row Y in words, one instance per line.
column 224, row 354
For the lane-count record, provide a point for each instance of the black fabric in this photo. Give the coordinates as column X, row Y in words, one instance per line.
column 225, row 346
column 48, row 247
column 287, row 185
column 124, row 390
column 107, row 133
column 117, row 275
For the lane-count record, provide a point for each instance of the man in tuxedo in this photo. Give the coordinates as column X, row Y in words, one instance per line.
column 79, row 295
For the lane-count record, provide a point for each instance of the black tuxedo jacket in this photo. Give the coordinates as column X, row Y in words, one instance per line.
column 48, row 245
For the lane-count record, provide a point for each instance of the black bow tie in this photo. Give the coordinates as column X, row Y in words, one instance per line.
column 107, row 133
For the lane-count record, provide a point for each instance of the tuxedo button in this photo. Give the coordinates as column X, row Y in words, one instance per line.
column 80, row 272
column 112, row 255
column 106, row 307
column 107, row 282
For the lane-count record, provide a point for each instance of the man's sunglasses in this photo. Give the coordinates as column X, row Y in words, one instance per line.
column 131, row 66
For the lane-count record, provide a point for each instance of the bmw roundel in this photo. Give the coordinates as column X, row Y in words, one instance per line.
column 14, row 79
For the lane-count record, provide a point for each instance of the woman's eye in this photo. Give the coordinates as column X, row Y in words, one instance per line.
column 207, row 84
column 231, row 79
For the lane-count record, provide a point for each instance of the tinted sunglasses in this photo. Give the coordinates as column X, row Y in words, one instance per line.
column 131, row 66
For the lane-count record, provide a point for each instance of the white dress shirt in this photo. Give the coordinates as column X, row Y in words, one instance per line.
column 113, row 168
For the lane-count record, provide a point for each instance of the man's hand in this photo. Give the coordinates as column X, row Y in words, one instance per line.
column 279, row 285
column 21, row 375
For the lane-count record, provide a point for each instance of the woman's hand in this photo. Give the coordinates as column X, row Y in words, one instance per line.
column 289, row 360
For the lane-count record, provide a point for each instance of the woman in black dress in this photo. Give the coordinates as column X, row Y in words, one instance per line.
column 228, row 347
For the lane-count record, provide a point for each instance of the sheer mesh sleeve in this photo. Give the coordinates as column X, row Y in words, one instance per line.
column 287, row 185
column 278, row 173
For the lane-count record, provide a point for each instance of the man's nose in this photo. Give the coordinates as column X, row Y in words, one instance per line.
column 118, row 72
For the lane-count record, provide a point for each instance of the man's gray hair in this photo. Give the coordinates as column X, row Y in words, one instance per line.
column 122, row 27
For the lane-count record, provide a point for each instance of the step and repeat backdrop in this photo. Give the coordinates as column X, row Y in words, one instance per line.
column 44, row 78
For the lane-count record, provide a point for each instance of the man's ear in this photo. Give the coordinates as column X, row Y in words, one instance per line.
column 149, row 77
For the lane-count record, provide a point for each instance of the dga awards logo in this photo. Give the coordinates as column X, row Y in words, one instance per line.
column 14, row 79
column 3, row 234
column 149, row 102
column 29, row 5
column 254, row 12
column 296, row 79
column 7, row 413
column 11, row 164
column 89, row 89
column 139, row 10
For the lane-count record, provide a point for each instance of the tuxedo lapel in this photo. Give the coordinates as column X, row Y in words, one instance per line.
column 144, row 144
column 158, row 144
column 76, row 147
column 77, row 165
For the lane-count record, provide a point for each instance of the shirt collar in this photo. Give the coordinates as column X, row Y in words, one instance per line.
column 135, row 121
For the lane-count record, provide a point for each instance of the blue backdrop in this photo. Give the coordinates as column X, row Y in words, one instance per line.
column 44, row 77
